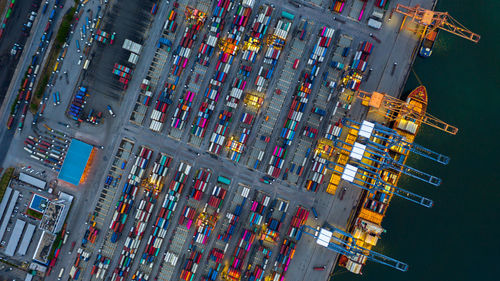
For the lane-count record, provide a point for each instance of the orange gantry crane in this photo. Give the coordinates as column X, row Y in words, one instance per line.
column 194, row 15
column 275, row 41
column 432, row 20
column 228, row 45
column 391, row 107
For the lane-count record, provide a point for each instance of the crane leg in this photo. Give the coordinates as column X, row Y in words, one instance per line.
column 402, row 24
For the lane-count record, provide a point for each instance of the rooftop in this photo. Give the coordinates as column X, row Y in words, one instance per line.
column 75, row 162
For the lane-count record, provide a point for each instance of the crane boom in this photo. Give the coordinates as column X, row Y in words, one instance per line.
column 393, row 107
column 432, row 20
column 344, row 243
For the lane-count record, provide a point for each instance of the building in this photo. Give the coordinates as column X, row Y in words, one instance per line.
column 25, row 243
column 38, row 183
column 15, row 237
column 43, row 248
column 76, row 163
column 6, row 208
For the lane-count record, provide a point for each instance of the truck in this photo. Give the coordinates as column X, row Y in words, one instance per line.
column 314, row 213
column 55, row 98
column 45, row 6
column 110, row 110
column 72, row 246
column 375, row 21
column 60, row 274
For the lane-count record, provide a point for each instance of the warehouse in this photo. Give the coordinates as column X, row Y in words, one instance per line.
column 25, row 243
column 8, row 211
column 77, row 161
column 5, row 200
column 14, row 238
column 32, row 181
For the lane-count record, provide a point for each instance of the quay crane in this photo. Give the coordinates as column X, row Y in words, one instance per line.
column 370, row 160
column 345, row 244
column 432, row 20
column 391, row 108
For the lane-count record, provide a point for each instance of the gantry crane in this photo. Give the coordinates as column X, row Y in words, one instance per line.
column 228, row 45
column 194, row 15
column 432, row 20
column 392, row 107
column 275, row 41
column 345, row 244
column 397, row 142
column 376, row 149
column 252, row 43
column 374, row 154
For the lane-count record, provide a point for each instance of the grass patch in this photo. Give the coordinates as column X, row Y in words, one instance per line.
column 13, row 105
column 34, row 214
column 55, row 246
column 3, row 5
column 62, row 35
column 4, row 181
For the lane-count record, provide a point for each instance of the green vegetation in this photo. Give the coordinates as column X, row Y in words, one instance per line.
column 4, row 181
column 55, row 245
column 64, row 29
column 34, row 214
column 3, row 5
column 13, row 105
column 62, row 35
column 44, row 81
column 9, row 263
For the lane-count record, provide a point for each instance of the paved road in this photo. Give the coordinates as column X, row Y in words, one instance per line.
column 30, row 49
column 335, row 211
column 13, row 33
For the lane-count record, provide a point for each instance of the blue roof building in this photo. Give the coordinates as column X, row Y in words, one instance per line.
column 77, row 159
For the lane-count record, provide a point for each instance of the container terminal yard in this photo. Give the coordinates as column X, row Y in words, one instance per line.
column 213, row 140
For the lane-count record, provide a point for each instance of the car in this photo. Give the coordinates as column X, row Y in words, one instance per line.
column 80, row 60
column 15, row 49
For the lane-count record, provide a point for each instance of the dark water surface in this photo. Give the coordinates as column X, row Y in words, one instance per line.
column 459, row 238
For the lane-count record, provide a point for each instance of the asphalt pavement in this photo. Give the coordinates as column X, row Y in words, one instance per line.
column 14, row 34
column 335, row 211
